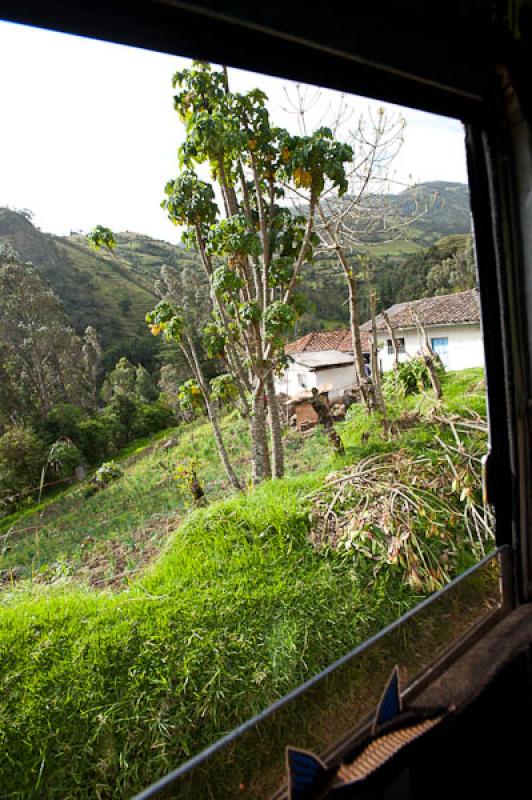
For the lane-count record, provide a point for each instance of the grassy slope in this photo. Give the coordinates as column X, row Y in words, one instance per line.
column 63, row 537
column 102, row 693
column 101, row 285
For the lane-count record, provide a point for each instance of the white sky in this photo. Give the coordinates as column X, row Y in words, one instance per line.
column 89, row 135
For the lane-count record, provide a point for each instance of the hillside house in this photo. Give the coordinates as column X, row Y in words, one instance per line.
column 320, row 358
column 452, row 323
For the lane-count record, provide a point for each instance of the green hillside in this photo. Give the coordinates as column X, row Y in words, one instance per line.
column 106, row 285
column 92, row 287
column 445, row 208
column 401, row 265
column 429, row 210
column 112, row 292
column 144, row 256
column 401, row 270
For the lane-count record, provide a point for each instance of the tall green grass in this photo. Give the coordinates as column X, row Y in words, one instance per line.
column 101, row 694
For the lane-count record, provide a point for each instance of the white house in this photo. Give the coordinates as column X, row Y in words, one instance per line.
column 312, row 370
column 322, row 358
column 452, row 323
column 325, row 358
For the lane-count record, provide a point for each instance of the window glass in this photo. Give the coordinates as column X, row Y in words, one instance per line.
column 400, row 345
column 440, row 346
column 182, row 540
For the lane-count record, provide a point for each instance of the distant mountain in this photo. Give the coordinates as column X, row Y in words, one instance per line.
column 427, row 211
column 444, row 206
column 113, row 294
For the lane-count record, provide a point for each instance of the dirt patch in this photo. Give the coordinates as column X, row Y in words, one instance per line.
column 105, row 564
column 113, row 564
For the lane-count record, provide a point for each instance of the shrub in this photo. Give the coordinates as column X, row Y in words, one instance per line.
column 121, row 415
column 107, row 473
column 97, row 438
column 104, row 475
column 410, row 377
column 121, row 421
column 63, row 421
column 151, row 418
column 63, row 458
column 22, row 456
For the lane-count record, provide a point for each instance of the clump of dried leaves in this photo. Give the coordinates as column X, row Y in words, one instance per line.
column 414, row 514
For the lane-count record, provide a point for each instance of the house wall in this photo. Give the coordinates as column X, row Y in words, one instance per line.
column 295, row 379
column 341, row 378
column 465, row 347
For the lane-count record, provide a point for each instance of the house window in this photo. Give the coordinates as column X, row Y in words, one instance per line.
column 441, row 348
column 301, row 379
column 400, row 345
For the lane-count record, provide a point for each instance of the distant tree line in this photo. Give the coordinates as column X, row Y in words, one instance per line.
column 58, row 406
column 439, row 269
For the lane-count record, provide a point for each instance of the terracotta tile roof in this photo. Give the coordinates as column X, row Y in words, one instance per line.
column 448, row 309
column 326, row 340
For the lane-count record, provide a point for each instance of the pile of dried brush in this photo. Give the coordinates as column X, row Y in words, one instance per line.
column 414, row 514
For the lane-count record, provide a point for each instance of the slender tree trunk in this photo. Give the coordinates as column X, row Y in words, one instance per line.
column 195, row 365
column 260, row 457
column 375, row 371
column 234, row 368
column 434, row 378
column 354, row 318
column 393, row 337
column 224, row 457
column 42, row 389
column 354, row 322
column 233, row 357
column 429, row 355
column 275, row 428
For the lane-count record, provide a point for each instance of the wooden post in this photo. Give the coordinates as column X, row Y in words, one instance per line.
column 429, row 357
column 393, row 337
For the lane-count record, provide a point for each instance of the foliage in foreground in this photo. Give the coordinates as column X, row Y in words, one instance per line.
column 109, row 692
column 102, row 694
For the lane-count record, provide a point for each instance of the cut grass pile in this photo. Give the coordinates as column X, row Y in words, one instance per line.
column 102, row 693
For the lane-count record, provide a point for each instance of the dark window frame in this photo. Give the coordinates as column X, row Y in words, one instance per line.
column 400, row 345
column 396, row 53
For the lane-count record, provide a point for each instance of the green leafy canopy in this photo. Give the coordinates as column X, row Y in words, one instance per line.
column 100, row 236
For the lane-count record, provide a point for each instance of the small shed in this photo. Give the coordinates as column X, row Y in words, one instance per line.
column 321, row 357
column 309, row 370
column 300, row 406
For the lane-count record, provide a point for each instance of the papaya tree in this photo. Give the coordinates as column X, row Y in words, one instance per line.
column 253, row 249
column 100, row 236
column 173, row 325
